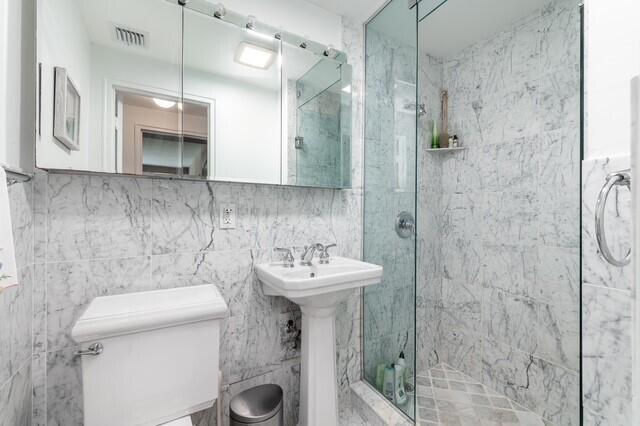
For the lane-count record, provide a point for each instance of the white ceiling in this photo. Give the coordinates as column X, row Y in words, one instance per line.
column 162, row 43
column 210, row 45
column 460, row 23
column 454, row 25
column 359, row 10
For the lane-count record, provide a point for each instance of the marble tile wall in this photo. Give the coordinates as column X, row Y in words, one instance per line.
column 429, row 216
column 607, row 302
column 111, row 235
column 98, row 236
column 16, row 316
column 498, row 294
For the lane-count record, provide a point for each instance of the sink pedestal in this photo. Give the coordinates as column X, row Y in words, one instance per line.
column 318, row 289
column 318, row 387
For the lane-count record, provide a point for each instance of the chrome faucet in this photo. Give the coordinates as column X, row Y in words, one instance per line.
column 324, row 254
column 307, row 256
column 288, row 260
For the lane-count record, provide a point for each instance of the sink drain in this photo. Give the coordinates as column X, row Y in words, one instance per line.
column 312, row 275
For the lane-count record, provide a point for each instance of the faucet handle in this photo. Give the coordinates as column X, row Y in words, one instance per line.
column 324, row 255
column 287, row 257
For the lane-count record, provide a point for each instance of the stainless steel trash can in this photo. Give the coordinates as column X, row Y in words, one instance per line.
column 258, row 406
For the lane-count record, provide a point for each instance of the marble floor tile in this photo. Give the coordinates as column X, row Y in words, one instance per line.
column 460, row 400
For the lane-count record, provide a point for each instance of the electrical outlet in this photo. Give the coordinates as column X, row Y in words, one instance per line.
column 227, row 216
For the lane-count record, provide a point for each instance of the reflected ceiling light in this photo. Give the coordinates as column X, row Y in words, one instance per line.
column 254, row 56
column 163, row 103
column 347, row 89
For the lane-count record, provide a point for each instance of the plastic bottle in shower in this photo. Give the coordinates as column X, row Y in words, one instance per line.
column 388, row 388
column 400, row 394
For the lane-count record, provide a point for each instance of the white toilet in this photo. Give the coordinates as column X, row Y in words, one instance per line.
column 150, row 358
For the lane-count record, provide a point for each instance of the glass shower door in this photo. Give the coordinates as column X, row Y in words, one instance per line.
column 390, row 201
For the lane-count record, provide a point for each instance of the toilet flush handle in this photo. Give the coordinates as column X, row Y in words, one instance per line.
column 93, row 350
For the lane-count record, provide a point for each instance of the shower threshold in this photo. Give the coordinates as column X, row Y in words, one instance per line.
column 445, row 396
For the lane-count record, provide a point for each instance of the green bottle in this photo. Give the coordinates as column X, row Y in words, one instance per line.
column 435, row 136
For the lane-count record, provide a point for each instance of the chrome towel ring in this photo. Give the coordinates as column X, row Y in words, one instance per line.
column 620, row 178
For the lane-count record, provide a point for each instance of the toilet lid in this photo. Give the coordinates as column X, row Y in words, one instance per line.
column 182, row 421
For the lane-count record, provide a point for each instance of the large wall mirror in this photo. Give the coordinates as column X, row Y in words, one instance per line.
column 197, row 92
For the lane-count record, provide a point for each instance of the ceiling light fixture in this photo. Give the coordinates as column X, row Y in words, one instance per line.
column 163, row 103
column 254, row 56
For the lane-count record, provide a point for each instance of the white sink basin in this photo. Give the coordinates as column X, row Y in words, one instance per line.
column 302, row 284
column 318, row 289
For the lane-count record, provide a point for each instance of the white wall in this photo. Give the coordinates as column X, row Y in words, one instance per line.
column 4, row 27
column 63, row 41
column 247, row 126
column 119, row 67
column 17, row 77
column 612, row 59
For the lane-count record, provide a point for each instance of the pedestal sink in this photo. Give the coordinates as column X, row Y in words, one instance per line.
column 318, row 289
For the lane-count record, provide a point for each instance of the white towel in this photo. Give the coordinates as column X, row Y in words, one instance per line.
column 8, row 270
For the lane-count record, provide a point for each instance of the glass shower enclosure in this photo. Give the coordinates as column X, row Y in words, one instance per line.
column 478, row 314
column 390, row 196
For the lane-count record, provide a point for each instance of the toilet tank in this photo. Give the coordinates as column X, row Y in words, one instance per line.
column 160, row 355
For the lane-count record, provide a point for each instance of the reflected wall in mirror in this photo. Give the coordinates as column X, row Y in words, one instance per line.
column 158, row 132
column 318, row 127
column 197, row 92
column 240, row 73
column 109, row 49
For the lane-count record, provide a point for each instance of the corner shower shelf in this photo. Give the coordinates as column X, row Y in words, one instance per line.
column 459, row 148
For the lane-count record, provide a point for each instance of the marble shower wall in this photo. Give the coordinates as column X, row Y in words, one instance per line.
column 429, row 216
column 16, row 313
column 100, row 235
column 607, row 302
column 499, row 282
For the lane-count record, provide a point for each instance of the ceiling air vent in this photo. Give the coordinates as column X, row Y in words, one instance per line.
column 129, row 37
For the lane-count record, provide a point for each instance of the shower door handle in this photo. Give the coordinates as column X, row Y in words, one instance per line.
column 405, row 224
column 621, row 178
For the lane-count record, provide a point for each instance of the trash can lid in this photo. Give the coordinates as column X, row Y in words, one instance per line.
column 256, row 404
